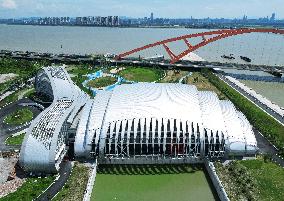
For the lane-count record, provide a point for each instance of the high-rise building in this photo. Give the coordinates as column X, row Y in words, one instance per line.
column 109, row 21
column 103, row 21
column 115, row 21
column 273, row 17
column 152, row 17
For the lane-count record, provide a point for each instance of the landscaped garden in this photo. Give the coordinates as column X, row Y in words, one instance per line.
column 75, row 187
column 15, row 140
column 141, row 74
column 78, row 75
column 173, row 76
column 102, row 82
column 269, row 178
column 23, row 68
column 151, row 182
column 13, row 97
column 81, row 69
column 203, row 84
column 19, row 117
column 258, row 179
column 30, row 189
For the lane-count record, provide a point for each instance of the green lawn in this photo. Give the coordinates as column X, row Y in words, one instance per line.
column 11, row 98
column 203, row 84
column 76, row 184
column 102, row 82
column 79, row 72
column 157, row 183
column 19, row 117
column 23, row 68
column 29, row 92
column 239, row 184
column 253, row 179
column 31, row 189
column 16, row 140
column 81, row 69
column 269, row 177
column 139, row 74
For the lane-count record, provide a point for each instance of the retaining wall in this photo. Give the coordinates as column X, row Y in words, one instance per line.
column 216, row 181
column 91, row 183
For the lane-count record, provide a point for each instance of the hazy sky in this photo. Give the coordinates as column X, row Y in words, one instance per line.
column 141, row 8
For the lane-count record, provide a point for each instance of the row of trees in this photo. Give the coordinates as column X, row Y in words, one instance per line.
column 264, row 123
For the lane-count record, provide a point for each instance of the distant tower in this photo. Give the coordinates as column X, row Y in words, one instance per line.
column 152, row 17
column 273, row 17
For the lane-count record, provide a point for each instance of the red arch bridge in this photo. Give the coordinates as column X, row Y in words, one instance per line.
column 206, row 38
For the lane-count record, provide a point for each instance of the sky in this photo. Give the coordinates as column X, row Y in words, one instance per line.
column 141, row 8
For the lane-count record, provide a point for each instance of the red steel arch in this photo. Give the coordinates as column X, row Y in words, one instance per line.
column 207, row 37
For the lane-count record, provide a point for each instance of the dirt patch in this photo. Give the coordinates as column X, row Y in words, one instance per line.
column 11, row 175
column 7, row 77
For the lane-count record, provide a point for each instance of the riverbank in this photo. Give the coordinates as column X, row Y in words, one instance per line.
column 177, row 26
column 101, row 40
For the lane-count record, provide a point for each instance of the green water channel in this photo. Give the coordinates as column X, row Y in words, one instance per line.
column 159, row 183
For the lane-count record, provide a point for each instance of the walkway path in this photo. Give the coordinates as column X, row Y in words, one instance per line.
column 254, row 100
column 64, row 173
column 5, row 130
column 91, row 182
column 265, row 147
column 181, row 79
column 21, row 95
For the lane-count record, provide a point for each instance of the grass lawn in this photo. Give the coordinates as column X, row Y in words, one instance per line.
column 29, row 92
column 16, row 140
column 19, row 117
column 252, row 179
column 102, row 82
column 269, row 177
column 11, row 98
column 145, row 183
column 203, row 84
column 79, row 73
column 139, row 74
column 31, row 189
column 81, row 69
column 173, row 76
column 76, row 184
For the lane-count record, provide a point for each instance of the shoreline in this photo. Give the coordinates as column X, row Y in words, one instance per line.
column 155, row 27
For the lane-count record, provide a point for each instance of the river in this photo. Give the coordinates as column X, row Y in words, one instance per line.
column 274, row 91
column 261, row 48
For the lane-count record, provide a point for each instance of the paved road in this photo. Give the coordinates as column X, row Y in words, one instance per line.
column 265, row 147
column 6, row 130
column 64, row 173
column 268, row 110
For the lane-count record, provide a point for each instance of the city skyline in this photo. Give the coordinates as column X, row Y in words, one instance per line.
column 130, row 8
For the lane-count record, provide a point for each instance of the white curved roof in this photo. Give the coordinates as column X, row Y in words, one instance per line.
column 177, row 105
column 154, row 109
column 147, row 100
column 44, row 143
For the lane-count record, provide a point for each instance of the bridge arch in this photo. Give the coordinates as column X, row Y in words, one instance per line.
column 207, row 37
